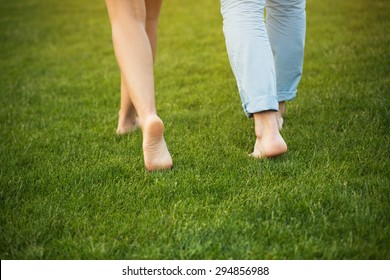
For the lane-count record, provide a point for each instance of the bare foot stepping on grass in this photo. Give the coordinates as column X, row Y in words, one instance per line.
column 280, row 121
column 269, row 148
column 156, row 154
column 280, row 114
column 127, row 123
column 269, row 142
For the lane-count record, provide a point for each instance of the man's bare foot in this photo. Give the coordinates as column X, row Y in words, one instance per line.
column 156, row 154
column 280, row 114
column 127, row 123
column 280, row 121
column 269, row 142
column 269, row 147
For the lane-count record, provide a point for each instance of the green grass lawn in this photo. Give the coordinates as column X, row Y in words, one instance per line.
column 71, row 189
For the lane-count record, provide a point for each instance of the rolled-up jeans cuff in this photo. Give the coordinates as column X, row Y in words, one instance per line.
column 259, row 105
column 286, row 96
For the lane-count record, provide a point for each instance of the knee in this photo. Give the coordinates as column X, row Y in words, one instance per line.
column 125, row 13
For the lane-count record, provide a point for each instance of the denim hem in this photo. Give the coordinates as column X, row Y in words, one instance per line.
column 286, row 96
column 259, row 105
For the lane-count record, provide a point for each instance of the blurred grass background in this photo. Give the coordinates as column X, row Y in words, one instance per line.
column 71, row 189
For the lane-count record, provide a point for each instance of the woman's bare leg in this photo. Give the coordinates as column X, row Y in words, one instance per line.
column 153, row 8
column 128, row 121
column 135, row 58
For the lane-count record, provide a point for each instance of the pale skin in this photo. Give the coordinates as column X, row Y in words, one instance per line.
column 269, row 143
column 280, row 114
column 134, row 33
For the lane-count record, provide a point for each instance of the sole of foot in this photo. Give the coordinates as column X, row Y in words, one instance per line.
column 156, row 154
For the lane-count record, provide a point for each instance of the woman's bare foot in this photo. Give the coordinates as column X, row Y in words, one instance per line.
column 280, row 114
column 127, row 123
column 269, row 142
column 156, row 154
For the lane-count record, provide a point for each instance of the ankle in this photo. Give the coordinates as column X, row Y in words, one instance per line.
column 127, row 114
column 150, row 118
column 266, row 124
column 282, row 108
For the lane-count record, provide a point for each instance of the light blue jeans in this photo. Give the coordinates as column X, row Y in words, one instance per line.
column 266, row 56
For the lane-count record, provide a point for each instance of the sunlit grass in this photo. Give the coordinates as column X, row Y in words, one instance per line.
column 71, row 189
